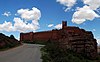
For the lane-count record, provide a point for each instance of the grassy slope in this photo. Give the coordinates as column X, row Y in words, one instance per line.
column 52, row 53
column 7, row 42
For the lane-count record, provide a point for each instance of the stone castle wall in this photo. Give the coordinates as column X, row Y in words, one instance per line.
column 46, row 35
column 73, row 38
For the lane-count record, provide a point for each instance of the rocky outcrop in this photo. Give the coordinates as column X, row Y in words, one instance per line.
column 81, row 42
column 7, row 42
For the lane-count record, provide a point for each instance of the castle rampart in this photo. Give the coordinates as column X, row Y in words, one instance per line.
column 73, row 38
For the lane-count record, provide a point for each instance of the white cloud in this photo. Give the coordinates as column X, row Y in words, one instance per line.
column 83, row 14
column 58, row 26
column 94, row 29
column 87, row 12
column 21, row 26
column 98, row 41
column 67, row 3
column 21, row 23
column 7, row 14
column 93, row 4
column 16, row 14
column 98, row 11
column 6, row 26
column 28, row 15
column 50, row 25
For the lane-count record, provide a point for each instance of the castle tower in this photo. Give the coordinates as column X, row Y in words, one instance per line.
column 64, row 24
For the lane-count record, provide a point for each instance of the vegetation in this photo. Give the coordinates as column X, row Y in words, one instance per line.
column 12, row 37
column 51, row 52
column 35, row 42
column 7, row 42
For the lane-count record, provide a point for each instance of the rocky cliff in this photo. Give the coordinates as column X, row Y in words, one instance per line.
column 81, row 42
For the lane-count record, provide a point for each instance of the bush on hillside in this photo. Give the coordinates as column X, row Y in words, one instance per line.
column 51, row 52
column 12, row 37
column 8, row 42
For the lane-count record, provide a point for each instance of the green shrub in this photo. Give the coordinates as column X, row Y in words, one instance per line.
column 8, row 42
column 53, row 53
column 12, row 37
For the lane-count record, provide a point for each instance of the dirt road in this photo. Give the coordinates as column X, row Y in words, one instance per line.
column 24, row 53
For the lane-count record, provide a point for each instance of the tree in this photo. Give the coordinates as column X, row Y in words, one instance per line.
column 12, row 37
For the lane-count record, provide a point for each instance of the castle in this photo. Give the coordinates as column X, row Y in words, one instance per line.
column 71, row 37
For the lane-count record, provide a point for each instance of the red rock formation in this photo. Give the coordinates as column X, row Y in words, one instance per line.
column 7, row 42
column 73, row 38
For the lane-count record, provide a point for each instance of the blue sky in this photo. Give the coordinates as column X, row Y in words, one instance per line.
column 49, row 15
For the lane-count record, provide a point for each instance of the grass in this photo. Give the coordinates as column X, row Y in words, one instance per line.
column 7, row 42
column 7, row 48
column 36, row 42
column 53, row 53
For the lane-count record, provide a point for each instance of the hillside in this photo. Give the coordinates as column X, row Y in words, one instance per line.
column 7, row 42
column 51, row 52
